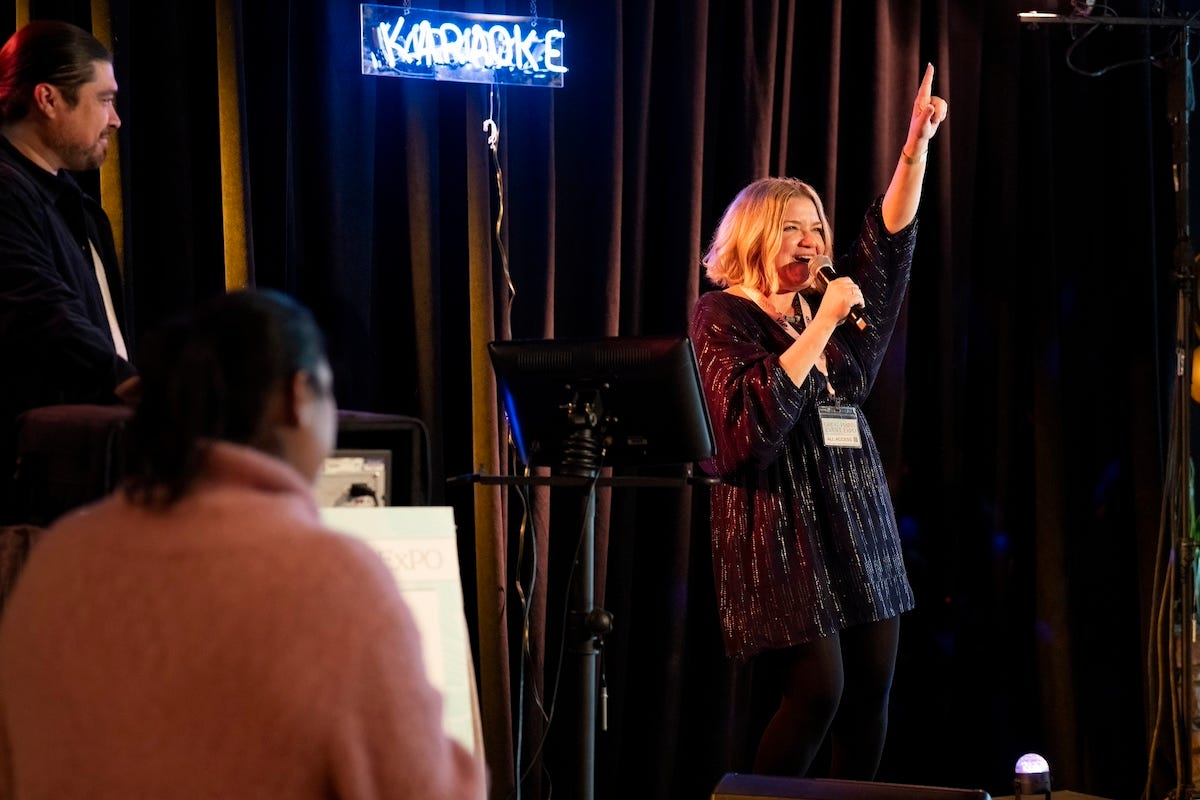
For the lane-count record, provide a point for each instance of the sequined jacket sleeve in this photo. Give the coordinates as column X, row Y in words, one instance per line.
column 752, row 401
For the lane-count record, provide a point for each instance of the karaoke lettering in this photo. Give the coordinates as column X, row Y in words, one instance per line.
column 478, row 48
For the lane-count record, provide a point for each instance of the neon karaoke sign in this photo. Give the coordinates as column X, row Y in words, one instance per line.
column 455, row 46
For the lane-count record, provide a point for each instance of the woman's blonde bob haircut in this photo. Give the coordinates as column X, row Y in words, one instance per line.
column 750, row 233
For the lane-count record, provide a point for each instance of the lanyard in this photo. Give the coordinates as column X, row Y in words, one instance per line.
column 805, row 312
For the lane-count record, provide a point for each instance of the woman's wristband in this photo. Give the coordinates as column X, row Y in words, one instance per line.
column 911, row 160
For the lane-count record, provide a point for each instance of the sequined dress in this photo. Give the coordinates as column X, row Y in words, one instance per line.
column 804, row 537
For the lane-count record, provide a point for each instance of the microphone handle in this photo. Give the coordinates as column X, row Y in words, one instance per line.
column 856, row 315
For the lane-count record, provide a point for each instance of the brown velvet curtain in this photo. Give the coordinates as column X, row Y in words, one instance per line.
column 1021, row 411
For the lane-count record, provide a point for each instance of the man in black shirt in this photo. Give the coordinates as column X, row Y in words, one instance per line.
column 61, row 309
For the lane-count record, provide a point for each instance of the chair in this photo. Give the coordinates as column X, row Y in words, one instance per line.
column 66, row 456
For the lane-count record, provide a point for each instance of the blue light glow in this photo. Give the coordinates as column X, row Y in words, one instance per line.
column 514, row 423
column 456, row 46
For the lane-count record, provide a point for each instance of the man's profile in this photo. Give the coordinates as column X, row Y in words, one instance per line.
column 62, row 337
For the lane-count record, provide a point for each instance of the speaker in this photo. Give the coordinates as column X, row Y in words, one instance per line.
column 769, row 787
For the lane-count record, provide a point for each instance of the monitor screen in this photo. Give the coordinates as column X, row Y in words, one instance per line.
column 582, row 404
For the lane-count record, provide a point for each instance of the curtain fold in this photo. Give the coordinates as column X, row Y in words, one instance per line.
column 239, row 272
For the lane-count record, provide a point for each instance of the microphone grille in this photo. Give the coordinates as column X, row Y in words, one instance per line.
column 822, row 271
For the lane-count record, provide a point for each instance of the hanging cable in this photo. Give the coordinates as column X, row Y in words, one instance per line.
column 1105, row 19
column 492, row 128
column 525, row 599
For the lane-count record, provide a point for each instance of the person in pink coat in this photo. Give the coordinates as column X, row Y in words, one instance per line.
column 200, row 633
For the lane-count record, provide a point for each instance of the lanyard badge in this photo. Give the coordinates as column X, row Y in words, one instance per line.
column 839, row 425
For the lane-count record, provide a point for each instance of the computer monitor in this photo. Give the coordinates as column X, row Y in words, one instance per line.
column 582, row 404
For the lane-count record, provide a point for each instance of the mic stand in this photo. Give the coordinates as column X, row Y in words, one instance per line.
column 582, row 456
column 589, row 623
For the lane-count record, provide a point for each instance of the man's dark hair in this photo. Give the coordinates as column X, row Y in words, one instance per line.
column 210, row 377
column 46, row 51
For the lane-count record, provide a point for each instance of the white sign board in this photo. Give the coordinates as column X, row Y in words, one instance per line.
column 420, row 546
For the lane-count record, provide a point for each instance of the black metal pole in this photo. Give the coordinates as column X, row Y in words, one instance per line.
column 583, row 598
column 1180, row 103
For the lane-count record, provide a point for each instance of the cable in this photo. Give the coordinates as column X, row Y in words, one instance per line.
column 492, row 129
column 1163, row 639
column 1165, row 649
column 526, row 608
column 1160, row 627
column 1093, row 24
column 591, row 493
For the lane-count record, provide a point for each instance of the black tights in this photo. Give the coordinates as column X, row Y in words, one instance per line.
column 837, row 685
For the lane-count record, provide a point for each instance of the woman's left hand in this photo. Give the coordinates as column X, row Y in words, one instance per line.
column 928, row 112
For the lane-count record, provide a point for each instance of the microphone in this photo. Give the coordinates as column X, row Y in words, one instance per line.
column 823, row 272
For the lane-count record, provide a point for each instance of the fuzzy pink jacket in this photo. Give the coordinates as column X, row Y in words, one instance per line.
column 229, row 647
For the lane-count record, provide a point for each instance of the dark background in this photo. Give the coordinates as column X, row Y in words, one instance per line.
column 1025, row 408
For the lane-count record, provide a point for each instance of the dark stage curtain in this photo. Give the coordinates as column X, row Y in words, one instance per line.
column 1023, row 411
